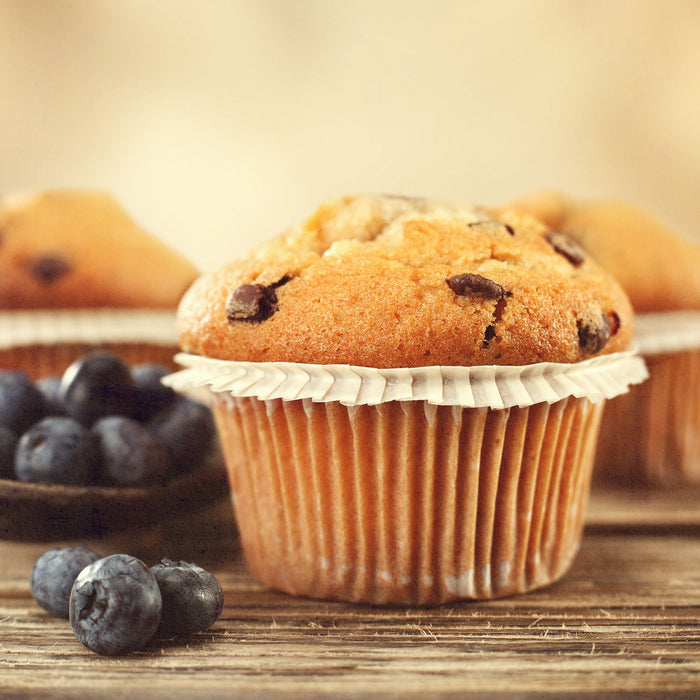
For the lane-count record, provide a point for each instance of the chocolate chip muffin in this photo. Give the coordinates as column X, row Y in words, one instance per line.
column 649, row 435
column 408, row 395
column 394, row 282
column 656, row 266
column 77, row 273
column 62, row 249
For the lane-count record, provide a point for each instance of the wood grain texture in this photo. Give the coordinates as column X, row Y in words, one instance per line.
column 623, row 621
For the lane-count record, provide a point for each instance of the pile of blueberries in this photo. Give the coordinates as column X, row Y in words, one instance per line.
column 116, row 604
column 102, row 422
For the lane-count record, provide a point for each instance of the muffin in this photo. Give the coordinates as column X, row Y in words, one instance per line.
column 408, row 395
column 77, row 273
column 650, row 436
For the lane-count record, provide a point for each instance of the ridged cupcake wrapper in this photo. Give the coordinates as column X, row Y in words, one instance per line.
column 39, row 361
column 651, row 436
column 413, row 486
column 405, row 502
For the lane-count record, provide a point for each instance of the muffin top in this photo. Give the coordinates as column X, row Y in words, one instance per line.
column 384, row 281
column 62, row 249
column 657, row 267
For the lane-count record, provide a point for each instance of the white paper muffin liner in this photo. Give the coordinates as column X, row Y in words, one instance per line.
column 667, row 331
column 407, row 503
column 490, row 386
column 90, row 326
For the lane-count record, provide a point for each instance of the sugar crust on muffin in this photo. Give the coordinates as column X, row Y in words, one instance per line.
column 389, row 281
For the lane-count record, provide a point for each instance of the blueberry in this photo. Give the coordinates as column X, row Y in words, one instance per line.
column 21, row 403
column 8, row 445
column 187, row 428
column 152, row 395
column 192, row 598
column 50, row 388
column 53, row 575
column 130, row 454
column 57, row 450
column 98, row 384
column 115, row 605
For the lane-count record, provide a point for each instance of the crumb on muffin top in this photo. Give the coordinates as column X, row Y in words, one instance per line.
column 389, row 281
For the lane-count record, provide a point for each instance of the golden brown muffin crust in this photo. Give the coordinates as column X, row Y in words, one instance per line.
column 658, row 268
column 389, row 282
column 62, row 249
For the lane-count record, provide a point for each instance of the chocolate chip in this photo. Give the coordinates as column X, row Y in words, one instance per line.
column 48, row 268
column 468, row 282
column 593, row 333
column 615, row 322
column 566, row 246
column 489, row 335
column 492, row 226
column 253, row 302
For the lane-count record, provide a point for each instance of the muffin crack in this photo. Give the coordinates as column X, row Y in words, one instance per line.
column 496, row 316
column 472, row 284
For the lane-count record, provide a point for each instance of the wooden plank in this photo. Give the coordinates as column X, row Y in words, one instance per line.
column 644, row 508
column 624, row 620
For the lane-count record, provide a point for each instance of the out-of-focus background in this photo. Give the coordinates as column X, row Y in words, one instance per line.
column 218, row 123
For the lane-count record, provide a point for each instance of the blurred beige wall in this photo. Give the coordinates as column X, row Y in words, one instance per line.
column 219, row 123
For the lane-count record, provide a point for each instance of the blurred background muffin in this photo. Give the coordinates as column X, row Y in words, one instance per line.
column 650, row 436
column 77, row 273
column 215, row 121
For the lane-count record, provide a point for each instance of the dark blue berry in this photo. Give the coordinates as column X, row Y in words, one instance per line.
column 152, row 395
column 97, row 385
column 192, row 598
column 130, row 454
column 115, row 605
column 53, row 575
column 50, row 388
column 8, row 446
column 57, row 450
column 21, row 403
column 187, row 428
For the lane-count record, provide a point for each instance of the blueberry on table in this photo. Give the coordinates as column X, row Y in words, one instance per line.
column 98, row 384
column 53, row 575
column 57, row 450
column 115, row 605
column 152, row 395
column 8, row 445
column 21, row 403
column 192, row 598
column 187, row 428
column 130, row 454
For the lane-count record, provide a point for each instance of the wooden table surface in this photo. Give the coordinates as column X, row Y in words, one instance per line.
column 623, row 621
